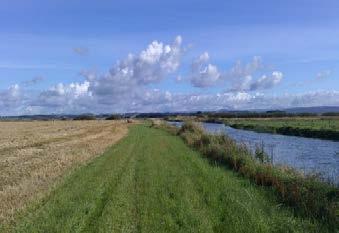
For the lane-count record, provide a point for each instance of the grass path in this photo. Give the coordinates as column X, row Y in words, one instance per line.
column 152, row 182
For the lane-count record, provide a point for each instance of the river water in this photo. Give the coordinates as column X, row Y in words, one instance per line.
column 305, row 154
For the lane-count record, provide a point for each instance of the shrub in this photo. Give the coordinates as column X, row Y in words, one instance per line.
column 192, row 128
column 85, row 118
column 114, row 117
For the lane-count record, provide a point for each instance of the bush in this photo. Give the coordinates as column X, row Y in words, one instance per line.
column 114, row 117
column 191, row 127
column 85, row 118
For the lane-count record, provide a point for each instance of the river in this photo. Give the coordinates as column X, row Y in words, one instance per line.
column 305, row 154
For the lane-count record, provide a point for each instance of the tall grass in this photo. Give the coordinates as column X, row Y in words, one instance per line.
column 308, row 196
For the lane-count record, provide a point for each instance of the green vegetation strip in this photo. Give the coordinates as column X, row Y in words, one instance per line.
column 311, row 128
column 307, row 195
column 152, row 182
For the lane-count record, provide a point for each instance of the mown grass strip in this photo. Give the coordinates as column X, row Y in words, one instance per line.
column 152, row 182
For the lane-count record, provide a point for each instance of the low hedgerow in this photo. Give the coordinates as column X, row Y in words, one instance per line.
column 307, row 195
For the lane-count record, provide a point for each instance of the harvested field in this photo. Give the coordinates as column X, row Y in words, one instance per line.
column 33, row 155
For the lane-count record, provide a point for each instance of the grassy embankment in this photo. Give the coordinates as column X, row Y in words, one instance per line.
column 152, row 182
column 324, row 128
column 306, row 195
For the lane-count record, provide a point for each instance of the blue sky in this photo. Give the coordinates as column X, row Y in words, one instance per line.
column 63, row 56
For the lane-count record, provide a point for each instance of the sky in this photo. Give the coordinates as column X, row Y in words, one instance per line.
column 77, row 56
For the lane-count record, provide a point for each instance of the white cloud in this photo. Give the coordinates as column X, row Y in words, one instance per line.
column 11, row 99
column 65, row 97
column 242, row 78
column 80, row 89
column 76, row 98
column 12, row 94
column 266, row 82
column 123, row 88
column 242, row 84
column 240, row 70
column 136, row 71
column 244, row 101
column 130, row 84
column 315, row 98
column 204, row 74
column 323, row 74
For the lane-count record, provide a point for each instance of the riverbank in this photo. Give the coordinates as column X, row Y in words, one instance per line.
column 307, row 195
column 309, row 127
column 152, row 182
column 327, row 128
column 310, row 156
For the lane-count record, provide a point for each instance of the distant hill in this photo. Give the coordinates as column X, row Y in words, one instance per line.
column 316, row 110
column 299, row 110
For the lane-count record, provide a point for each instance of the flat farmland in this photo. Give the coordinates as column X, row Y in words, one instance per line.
column 151, row 181
column 311, row 127
column 33, row 155
column 314, row 123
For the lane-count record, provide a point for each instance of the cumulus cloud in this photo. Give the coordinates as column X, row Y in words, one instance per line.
column 242, row 84
column 240, row 70
column 76, row 98
column 10, row 96
column 266, row 82
column 130, row 86
column 61, row 98
column 204, row 74
column 195, row 102
column 315, row 98
column 323, row 74
column 136, row 71
column 242, row 78
column 11, row 100
column 245, row 100
column 123, row 87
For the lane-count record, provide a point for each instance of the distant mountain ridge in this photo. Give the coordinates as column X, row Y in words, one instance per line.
column 314, row 110
column 297, row 110
column 317, row 109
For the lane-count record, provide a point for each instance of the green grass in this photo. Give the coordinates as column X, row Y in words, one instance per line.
column 308, row 123
column 152, row 182
column 326, row 128
column 307, row 195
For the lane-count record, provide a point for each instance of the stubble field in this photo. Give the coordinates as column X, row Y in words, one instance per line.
column 33, row 155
